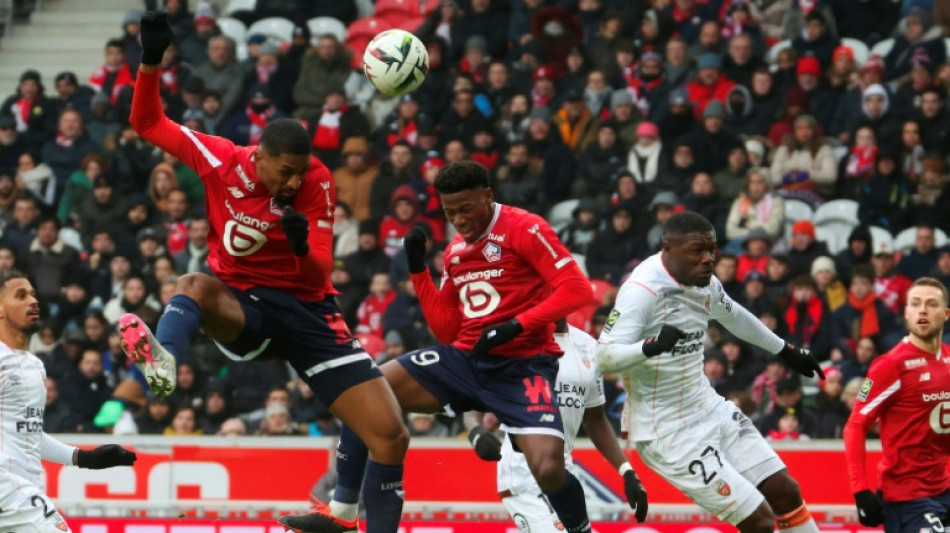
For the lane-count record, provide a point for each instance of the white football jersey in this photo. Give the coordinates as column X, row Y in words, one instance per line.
column 22, row 403
column 670, row 391
column 579, row 386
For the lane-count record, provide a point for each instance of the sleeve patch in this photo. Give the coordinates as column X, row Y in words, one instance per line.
column 865, row 389
column 611, row 320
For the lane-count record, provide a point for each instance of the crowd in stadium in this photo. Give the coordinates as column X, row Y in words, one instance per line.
column 635, row 110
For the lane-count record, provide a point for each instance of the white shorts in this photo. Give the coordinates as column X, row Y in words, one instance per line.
column 24, row 508
column 718, row 462
column 532, row 513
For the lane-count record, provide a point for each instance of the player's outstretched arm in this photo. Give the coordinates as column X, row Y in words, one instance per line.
column 602, row 434
column 105, row 456
column 622, row 339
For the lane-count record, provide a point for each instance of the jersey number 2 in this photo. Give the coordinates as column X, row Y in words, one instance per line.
column 698, row 464
column 37, row 501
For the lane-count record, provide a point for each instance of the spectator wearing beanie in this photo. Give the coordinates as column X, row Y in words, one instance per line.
column 558, row 164
column 678, row 120
column 647, row 159
column 404, row 215
column 650, row 85
column 822, row 98
column 756, row 207
column 34, row 113
column 712, row 142
column 625, row 116
column 818, row 40
column 824, row 274
column 843, row 71
column 194, row 44
column 709, row 85
column 804, row 164
column 755, row 257
column 741, row 115
column 876, row 112
column 918, row 34
column 848, row 114
column 803, row 248
column 922, row 77
column 863, row 315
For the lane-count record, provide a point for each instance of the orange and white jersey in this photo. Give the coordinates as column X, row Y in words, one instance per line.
column 22, row 403
column 669, row 392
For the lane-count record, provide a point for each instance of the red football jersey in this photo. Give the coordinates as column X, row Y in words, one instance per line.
column 370, row 313
column 247, row 246
column 908, row 390
column 507, row 272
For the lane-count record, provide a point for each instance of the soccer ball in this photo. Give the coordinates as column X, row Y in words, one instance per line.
column 396, row 62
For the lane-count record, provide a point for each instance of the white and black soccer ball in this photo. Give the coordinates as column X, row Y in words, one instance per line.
column 396, row 62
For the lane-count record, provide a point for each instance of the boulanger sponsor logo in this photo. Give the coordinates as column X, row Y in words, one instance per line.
column 246, row 219
column 936, row 396
column 240, row 240
column 940, row 417
column 478, row 275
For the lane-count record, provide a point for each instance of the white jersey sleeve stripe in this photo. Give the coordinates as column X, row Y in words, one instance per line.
column 881, row 397
column 209, row 157
column 651, row 291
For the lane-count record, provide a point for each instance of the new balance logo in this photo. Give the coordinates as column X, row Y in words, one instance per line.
column 492, row 333
column 235, row 192
column 546, row 418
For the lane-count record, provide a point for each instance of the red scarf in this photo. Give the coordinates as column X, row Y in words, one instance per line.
column 408, row 132
column 869, row 323
column 258, row 123
column 812, row 320
column 540, row 100
column 64, row 141
column 123, row 77
column 861, row 163
column 487, row 159
column 327, row 136
column 170, row 79
column 264, row 74
column 24, row 108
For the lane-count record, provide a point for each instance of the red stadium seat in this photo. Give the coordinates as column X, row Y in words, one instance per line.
column 411, row 24
column 366, row 28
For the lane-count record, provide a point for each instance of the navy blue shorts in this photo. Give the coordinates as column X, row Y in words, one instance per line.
column 312, row 336
column 918, row 516
column 519, row 391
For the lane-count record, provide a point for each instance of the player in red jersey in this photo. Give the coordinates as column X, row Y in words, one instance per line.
column 270, row 208
column 507, row 279
column 908, row 390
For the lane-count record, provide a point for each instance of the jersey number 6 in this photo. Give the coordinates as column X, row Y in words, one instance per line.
column 479, row 299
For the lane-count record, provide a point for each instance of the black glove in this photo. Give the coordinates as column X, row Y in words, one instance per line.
column 487, row 444
column 105, row 456
column 663, row 342
column 495, row 335
column 636, row 495
column 870, row 508
column 156, row 35
column 415, row 244
column 801, row 361
column 296, row 227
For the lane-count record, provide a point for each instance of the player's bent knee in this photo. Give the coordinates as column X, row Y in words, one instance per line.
column 761, row 521
column 194, row 285
column 389, row 445
column 782, row 492
column 549, row 473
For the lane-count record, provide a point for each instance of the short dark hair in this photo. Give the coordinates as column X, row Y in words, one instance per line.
column 7, row 275
column 461, row 176
column 686, row 223
column 115, row 43
column 285, row 136
column 863, row 271
column 931, row 282
column 51, row 220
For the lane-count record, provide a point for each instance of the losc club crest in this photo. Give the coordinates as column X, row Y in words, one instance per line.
column 492, row 252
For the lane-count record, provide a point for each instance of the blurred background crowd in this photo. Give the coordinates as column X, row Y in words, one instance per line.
column 812, row 133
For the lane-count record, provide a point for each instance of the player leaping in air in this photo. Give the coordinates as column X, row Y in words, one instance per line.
column 270, row 208
column 22, row 440
column 908, row 391
column 506, row 281
column 682, row 429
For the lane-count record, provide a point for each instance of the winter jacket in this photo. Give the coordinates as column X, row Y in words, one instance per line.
column 353, row 188
column 317, row 78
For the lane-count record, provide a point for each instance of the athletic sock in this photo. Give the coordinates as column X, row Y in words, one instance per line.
column 796, row 521
column 383, row 496
column 179, row 325
column 570, row 505
column 351, row 455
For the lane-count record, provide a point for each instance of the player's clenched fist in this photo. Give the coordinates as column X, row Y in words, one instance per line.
column 801, row 361
column 105, row 456
column 495, row 335
column 296, row 228
column 156, row 35
column 870, row 508
column 663, row 342
column 487, row 445
column 415, row 244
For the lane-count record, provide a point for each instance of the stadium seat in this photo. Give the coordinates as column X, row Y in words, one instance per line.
column 840, row 152
column 776, row 48
column 235, row 6
column 240, row 51
column 860, row 50
column 412, row 24
column 879, row 234
column 365, row 8
column 882, row 48
column 561, row 213
column 837, row 211
column 233, row 28
column 904, row 241
column 833, row 240
column 276, row 28
column 366, row 28
column 397, row 10
column 940, row 238
column 324, row 25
